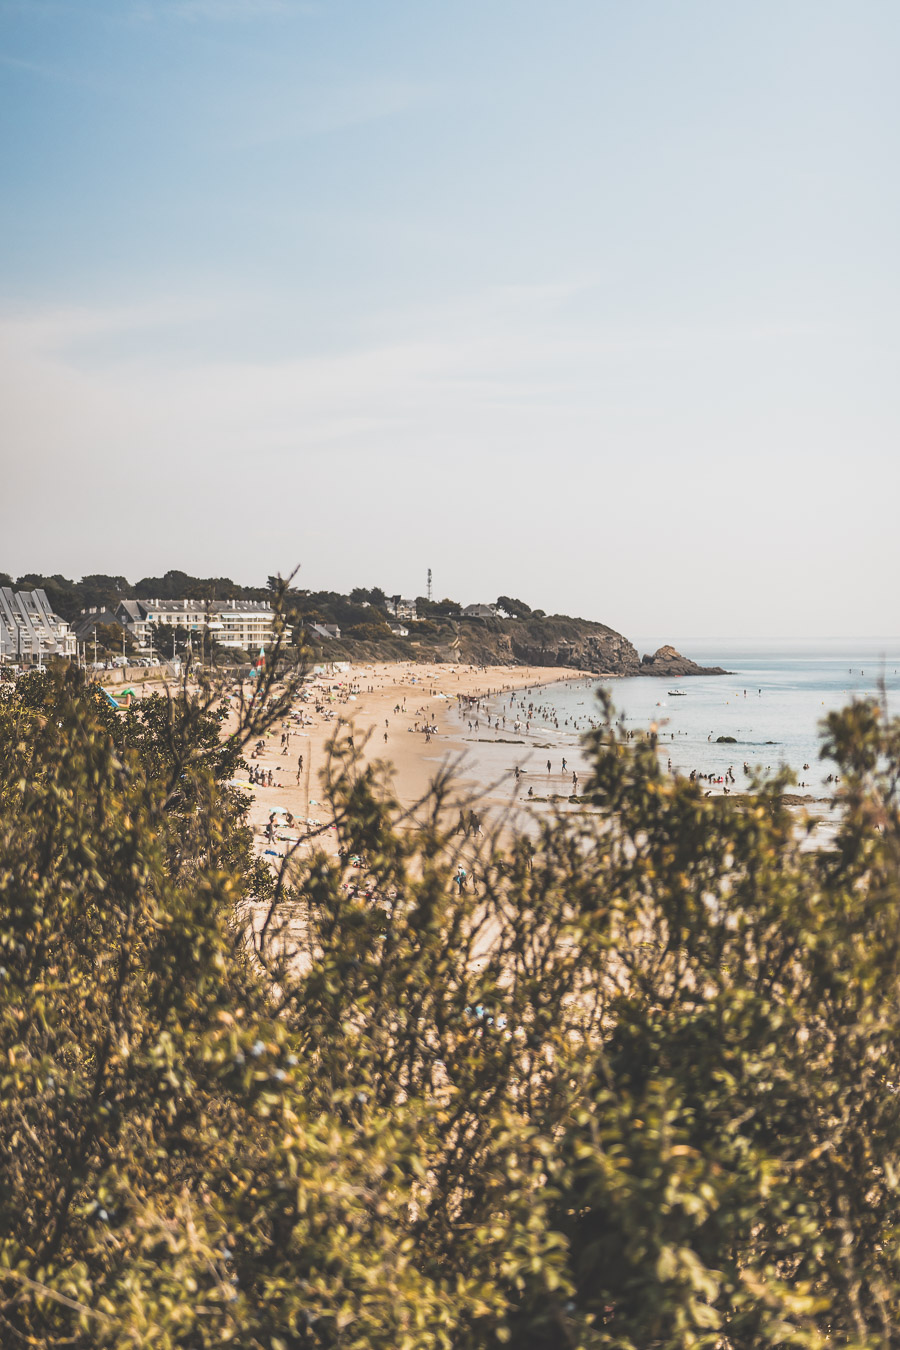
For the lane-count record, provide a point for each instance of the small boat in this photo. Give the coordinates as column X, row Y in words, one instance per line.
column 677, row 693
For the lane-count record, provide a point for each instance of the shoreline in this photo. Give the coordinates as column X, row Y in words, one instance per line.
column 389, row 706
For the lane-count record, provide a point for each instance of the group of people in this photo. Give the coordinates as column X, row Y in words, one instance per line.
column 260, row 777
column 469, row 824
column 728, row 777
column 272, row 824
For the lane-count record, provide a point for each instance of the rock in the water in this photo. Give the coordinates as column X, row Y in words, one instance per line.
column 666, row 661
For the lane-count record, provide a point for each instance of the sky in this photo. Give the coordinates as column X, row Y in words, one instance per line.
column 593, row 304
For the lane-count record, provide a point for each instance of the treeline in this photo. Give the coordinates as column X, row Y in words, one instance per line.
column 68, row 598
column 365, row 608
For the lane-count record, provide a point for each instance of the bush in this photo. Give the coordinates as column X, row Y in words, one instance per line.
column 637, row 1089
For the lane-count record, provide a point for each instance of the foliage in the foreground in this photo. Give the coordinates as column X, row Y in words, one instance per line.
column 635, row 1089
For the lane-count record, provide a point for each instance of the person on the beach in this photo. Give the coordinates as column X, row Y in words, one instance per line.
column 548, row 766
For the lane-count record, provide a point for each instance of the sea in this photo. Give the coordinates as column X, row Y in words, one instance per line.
column 772, row 703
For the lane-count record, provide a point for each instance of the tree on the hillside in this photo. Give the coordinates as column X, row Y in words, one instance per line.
column 101, row 591
column 175, row 585
column 374, row 628
column 516, row 609
column 373, row 596
column 437, row 609
column 634, row 1086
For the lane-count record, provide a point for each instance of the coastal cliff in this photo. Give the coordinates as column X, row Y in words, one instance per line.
column 549, row 640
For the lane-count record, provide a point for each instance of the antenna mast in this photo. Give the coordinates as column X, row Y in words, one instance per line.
column 429, row 584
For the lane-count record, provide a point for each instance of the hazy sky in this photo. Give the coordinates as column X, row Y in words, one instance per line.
column 592, row 303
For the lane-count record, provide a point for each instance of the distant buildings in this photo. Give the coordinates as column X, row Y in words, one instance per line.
column 398, row 608
column 324, row 630
column 232, row 623
column 132, row 615
column 29, row 630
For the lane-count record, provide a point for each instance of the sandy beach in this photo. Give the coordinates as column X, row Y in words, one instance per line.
column 416, row 717
column 419, row 719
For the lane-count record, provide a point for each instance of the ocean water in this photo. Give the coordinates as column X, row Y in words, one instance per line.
column 772, row 703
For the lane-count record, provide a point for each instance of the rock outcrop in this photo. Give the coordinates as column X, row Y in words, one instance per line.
column 666, row 661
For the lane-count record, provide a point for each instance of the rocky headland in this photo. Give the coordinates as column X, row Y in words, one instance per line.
column 549, row 640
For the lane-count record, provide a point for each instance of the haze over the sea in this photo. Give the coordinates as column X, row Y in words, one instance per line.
column 589, row 303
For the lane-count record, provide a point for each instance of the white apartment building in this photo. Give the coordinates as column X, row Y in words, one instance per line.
column 233, row 623
column 29, row 630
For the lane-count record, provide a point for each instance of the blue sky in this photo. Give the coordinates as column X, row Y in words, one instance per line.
column 591, row 303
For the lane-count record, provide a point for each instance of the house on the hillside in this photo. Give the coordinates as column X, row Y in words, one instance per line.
column 480, row 612
column 398, row 608
column 132, row 614
column 326, row 631
column 92, row 618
